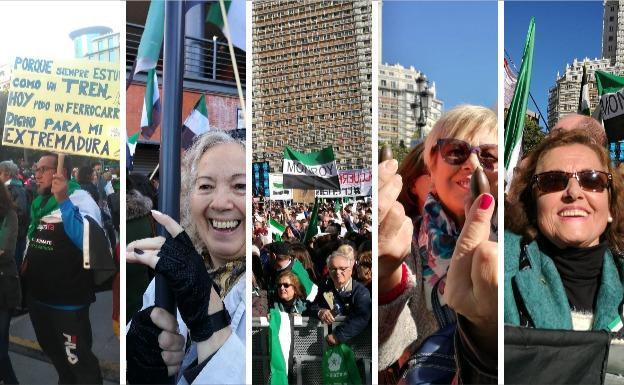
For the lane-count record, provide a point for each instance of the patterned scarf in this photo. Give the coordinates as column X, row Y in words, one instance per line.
column 227, row 275
column 41, row 207
column 437, row 237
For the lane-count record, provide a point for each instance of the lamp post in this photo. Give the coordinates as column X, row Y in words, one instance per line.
column 423, row 98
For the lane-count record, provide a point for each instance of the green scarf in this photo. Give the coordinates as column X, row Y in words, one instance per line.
column 38, row 211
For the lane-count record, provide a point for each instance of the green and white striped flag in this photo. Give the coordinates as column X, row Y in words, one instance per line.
column 152, row 37
column 310, row 171
column 150, row 115
column 611, row 91
column 281, row 346
column 583, row 107
column 514, row 122
column 235, row 10
column 277, row 229
column 311, row 290
column 196, row 123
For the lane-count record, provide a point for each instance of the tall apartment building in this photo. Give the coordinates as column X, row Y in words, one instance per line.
column 563, row 96
column 312, row 80
column 612, row 23
column 397, row 93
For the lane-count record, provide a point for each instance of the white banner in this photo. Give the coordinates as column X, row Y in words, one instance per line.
column 277, row 192
column 352, row 183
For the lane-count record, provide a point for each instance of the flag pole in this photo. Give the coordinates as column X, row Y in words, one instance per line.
column 169, row 191
column 154, row 172
column 226, row 28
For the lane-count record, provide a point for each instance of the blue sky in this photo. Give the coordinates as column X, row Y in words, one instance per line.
column 457, row 50
column 563, row 32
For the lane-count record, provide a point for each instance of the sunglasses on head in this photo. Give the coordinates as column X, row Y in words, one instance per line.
column 456, row 152
column 284, row 285
column 589, row 180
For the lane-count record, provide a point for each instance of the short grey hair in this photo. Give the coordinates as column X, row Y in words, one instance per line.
column 9, row 167
column 343, row 254
column 190, row 162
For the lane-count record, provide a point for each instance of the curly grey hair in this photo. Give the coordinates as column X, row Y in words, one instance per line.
column 9, row 167
column 190, row 161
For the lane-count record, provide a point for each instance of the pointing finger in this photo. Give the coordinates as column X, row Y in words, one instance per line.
column 168, row 223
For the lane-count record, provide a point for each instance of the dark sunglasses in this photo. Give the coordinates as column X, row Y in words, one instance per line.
column 284, row 285
column 589, row 180
column 456, row 152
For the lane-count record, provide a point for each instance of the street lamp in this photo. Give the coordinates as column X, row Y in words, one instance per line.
column 421, row 107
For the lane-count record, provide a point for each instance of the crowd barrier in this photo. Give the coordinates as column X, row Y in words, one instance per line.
column 309, row 345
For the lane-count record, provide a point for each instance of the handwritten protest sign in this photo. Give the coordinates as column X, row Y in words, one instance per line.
column 68, row 107
column 352, row 183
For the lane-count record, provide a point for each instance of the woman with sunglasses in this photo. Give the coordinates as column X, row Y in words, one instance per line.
column 563, row 248
column 421, row 292
column 290, row 297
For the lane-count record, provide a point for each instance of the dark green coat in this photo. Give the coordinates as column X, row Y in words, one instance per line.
column 542, row 293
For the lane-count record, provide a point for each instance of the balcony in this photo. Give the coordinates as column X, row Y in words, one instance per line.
column 208, row 66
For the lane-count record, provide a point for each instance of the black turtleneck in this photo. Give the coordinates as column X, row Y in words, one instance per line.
column 580, row 270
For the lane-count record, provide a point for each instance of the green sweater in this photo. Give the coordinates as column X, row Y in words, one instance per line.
column 541, row 290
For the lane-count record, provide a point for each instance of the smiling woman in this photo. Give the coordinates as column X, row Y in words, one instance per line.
column 563, row 250
column 205, row 268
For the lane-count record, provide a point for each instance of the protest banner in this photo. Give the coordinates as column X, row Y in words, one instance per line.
column 65, row 106
column 277, row 192
column 611, row 92
column 352, row 183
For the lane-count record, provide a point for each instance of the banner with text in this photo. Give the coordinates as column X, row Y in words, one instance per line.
column 277, row 192
column 68, row 106
column 352, row 183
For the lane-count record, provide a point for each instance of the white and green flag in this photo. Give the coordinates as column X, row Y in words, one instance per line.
column 311, row 290
column 583, row 107
column 196, row 123
column 150, row 115
column 311, row 171
column 276, row 229
column 281, row 346
column 611, row 91
column 235, row 11
column 152, row 37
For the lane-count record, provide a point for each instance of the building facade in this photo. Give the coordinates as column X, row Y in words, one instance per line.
column 612, row 23
column 397, row 96
column 312, row 79
column 563, row 97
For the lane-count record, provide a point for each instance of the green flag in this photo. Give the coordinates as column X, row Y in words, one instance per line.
column 583, row 107
column 311, row 290
column 312, row 226
column 152, row 37
column 611, row 92
column 235, row 11
column 280, row 346
column 514, row 122
column 276, row 229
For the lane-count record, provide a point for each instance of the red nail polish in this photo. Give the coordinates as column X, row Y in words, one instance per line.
column 486, row 201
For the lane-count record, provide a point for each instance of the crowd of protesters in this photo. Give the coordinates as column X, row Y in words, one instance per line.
column 42, row 216
column 317, row 267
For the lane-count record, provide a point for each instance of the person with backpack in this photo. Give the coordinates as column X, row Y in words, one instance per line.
column 59, row 289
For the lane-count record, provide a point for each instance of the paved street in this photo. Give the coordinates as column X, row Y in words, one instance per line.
column 31, row 365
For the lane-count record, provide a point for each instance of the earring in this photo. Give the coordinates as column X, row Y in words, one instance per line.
column 610, row 219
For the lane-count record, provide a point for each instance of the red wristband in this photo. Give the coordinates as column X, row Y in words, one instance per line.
column 397, row 290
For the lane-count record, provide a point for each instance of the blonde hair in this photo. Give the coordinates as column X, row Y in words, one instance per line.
column 462, row 122
column 190, row 162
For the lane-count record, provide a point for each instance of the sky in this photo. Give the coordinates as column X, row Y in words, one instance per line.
column 563, row 32
column 41, row 29
column 457, row 50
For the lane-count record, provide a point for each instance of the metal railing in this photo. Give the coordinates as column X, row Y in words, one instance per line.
column 205, row 60
column 309, row 346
